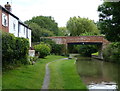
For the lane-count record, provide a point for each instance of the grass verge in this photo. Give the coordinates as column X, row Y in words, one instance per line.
column 28, row 76
column 63, row 75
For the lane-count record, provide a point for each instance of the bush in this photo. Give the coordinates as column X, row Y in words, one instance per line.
column 112, row 52
column 57, row 49
column 14, row 50
column 32, row 60
column 43, row 49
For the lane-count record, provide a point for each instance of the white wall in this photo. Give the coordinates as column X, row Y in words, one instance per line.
column 25, row 32
column 21, row 31
column 29, row 36
column 13, row 25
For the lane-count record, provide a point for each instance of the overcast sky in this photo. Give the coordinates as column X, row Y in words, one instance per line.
column 60, row 10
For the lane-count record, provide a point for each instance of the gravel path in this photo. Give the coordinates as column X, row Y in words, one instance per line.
column 47, row 75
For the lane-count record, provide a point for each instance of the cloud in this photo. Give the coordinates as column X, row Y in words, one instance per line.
column 61, row 10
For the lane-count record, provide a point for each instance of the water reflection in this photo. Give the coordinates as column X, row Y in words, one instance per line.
column 96, row 71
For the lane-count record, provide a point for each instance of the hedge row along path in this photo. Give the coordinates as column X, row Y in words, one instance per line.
column 47, row 75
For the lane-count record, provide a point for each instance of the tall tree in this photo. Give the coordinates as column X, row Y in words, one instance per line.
column 77, row 26
column 63, row 31
column 38, row 32
column 109, row 22
column 46, row 22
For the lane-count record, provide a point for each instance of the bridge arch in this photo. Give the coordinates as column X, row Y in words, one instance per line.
column 99, row 40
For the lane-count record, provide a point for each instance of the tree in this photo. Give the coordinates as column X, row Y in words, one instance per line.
column 46, row 22
column 77, row 26
column 63, row 31
column 38, row 32
column 109, row 21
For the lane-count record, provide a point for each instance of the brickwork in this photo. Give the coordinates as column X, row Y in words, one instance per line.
column 80, row 39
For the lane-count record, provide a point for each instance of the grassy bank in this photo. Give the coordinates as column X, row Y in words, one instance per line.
column 63, row 75
column 28, row 76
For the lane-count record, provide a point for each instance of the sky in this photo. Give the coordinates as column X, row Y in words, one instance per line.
column 60, row 10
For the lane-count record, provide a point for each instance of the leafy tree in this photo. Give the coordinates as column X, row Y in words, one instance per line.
column 78, row 26
column 109, row 22
column 38, row 32
column 63, row 31
column 46, row 22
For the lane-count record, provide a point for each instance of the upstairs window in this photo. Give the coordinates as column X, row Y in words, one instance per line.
column 4, row 20
column 24, row 30
column 14, row 26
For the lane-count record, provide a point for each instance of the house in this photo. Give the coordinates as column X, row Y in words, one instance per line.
column 12, row 24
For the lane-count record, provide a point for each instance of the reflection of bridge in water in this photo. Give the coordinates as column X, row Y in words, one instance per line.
column 89, row 40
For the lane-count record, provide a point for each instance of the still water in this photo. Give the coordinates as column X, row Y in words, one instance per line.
column 93, row 71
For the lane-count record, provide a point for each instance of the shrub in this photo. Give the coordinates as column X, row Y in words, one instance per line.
column 112, row 52
column 43, row 49
column 57, row 49
column 14, row 50
column 32, row 60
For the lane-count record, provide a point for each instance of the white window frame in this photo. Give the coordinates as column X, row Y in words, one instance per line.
column 4, row 20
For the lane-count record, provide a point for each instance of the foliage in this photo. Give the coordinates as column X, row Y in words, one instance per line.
column 109, row 22
column 38, row 32
column 78, row 25
column 14, row 49
column 58, row 49
column 63, row 31
column 32, row 60
column 43, row 49
column 86, row 50
column 45, row 22
column 89, row 34
column 112, row 52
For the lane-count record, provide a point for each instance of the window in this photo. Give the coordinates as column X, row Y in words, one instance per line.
column 14, row 26
column 4, row 20
column 24, row 30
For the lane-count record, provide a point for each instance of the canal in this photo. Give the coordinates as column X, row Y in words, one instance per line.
column 97, row 74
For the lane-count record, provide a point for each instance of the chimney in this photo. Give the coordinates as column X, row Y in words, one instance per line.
column 8, row 6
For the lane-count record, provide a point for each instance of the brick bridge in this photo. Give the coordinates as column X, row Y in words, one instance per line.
column 98, row 40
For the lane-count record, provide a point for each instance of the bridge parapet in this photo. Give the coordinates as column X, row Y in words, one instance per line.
column 79, row 39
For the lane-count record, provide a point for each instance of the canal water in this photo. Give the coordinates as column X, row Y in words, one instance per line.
column 97, row 74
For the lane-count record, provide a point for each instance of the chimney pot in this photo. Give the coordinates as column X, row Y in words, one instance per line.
column 8, row 6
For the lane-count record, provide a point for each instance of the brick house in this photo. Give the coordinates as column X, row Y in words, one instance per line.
column 12, row 24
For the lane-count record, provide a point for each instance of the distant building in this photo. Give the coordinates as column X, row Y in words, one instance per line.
column 12, row 24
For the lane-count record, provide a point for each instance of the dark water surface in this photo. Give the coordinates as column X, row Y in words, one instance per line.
column 95, row 71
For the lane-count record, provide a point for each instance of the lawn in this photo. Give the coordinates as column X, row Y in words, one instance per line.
column 28, row 76
column 63, row 75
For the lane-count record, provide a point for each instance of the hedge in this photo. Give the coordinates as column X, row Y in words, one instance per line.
column 14, row 49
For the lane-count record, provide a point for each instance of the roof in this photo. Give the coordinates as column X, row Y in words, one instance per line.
column 4, row 9
column 24, row 24
column 9, row 12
